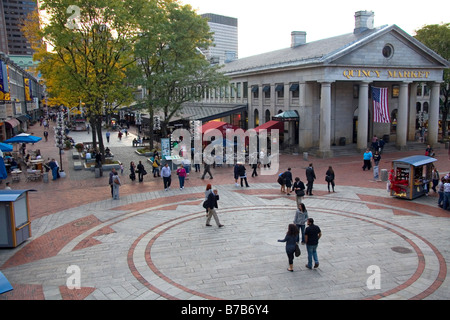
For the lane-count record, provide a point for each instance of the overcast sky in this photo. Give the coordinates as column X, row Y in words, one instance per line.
column 266, row 25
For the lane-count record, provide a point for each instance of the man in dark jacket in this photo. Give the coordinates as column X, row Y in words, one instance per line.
column 213, row 197
column 310, row 177
column 288, row 178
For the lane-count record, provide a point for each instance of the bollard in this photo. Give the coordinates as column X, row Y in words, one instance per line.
column 305, row 156
column 97, row 172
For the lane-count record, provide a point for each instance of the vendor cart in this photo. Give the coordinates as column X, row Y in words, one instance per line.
column 411, row 176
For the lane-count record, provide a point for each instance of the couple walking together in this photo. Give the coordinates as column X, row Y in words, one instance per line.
column 310, row 237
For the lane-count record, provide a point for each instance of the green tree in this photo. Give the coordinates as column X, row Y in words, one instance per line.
column 91, row 45
column 437, row 38
column 172, row 68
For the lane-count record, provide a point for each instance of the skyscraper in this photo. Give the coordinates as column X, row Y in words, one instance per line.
column 225, row 31
column 12, row 13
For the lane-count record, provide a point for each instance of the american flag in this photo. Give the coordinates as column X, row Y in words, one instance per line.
column 380, row 105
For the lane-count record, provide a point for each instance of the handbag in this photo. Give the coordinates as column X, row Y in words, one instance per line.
column 300, row 193
column 205, row 204
column 297, row 250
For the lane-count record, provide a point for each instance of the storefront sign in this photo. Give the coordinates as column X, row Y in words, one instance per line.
column 385, row 74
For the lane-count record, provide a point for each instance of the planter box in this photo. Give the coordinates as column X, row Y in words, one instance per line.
column 145, row 154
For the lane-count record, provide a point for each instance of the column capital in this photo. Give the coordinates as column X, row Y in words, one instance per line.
column 326, row 81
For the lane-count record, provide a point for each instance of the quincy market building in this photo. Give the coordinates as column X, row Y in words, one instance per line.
column 326, row 85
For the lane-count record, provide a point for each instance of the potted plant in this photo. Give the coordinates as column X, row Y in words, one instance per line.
column 79, row 146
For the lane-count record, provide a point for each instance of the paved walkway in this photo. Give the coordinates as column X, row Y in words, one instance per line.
column 152, row 244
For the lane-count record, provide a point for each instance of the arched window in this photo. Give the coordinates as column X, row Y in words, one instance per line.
column 267, row 117
column 256, row 117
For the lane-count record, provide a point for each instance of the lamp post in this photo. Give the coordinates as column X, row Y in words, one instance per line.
column 59, row 135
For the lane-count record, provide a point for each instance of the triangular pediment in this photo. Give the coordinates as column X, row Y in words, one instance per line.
column 406, row 52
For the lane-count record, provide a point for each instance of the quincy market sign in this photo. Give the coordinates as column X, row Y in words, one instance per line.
column 352, row 74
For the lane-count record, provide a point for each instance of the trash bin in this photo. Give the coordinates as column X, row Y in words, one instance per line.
column 15, row 223
column 384, row 175
column 342, row 141
column 45, row 177
column 305, row 156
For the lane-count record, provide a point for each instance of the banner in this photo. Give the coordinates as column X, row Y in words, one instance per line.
column 4, row 85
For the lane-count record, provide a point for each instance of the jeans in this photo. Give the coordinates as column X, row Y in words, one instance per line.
column 312, row 254
column 181, row 179
column 446, row 200
column 301, row 227
column 441, row 198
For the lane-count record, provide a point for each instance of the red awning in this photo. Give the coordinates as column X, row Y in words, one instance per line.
column 272, row 124
column 219, row 125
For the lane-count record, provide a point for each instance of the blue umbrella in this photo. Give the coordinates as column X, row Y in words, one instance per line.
column 3, row 173
column 6, row 147
column 23, row 138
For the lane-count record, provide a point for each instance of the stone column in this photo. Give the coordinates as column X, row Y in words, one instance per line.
column 433, row 115
column 402, row 118
column 363, row 116
column 412, row 112
column 325, row 121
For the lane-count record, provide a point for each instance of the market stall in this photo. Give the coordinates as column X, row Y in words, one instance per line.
column 410, row 177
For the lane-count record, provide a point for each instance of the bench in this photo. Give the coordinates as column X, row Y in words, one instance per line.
column 77, row 165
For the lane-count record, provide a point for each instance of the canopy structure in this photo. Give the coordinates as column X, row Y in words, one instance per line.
column 416, row 161
column 271, row 125
column 23, row 138
column 6, row 147
column 290, row 115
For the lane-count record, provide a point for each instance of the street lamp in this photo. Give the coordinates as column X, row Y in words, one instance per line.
column 59, row 135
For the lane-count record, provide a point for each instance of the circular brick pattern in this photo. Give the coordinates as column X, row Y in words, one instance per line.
column 162, row 265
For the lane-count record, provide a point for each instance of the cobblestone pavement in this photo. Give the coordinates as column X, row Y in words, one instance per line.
column 153, row 244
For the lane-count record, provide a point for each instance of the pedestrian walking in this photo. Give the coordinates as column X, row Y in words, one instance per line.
column 288, row 181
column 312, row 236
column 310, row 177
column 132, row 171
column 211, row 198
column 141, row 171
column 291, row 240
column 181, row 173
column 300, row 218
column 46, row 135
column 116, row 186
column 299, row 189
column 367, row 158
column 236, row 174
column 434, row 178
column 329, row 178
column 254, row 172
column 108, row 134
column 207, row 169
column 441, row 192
column 155, row 166
column 112, row 173
column 242, row 175
column 446, row 194
column 54, row 167
column 166, row 174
